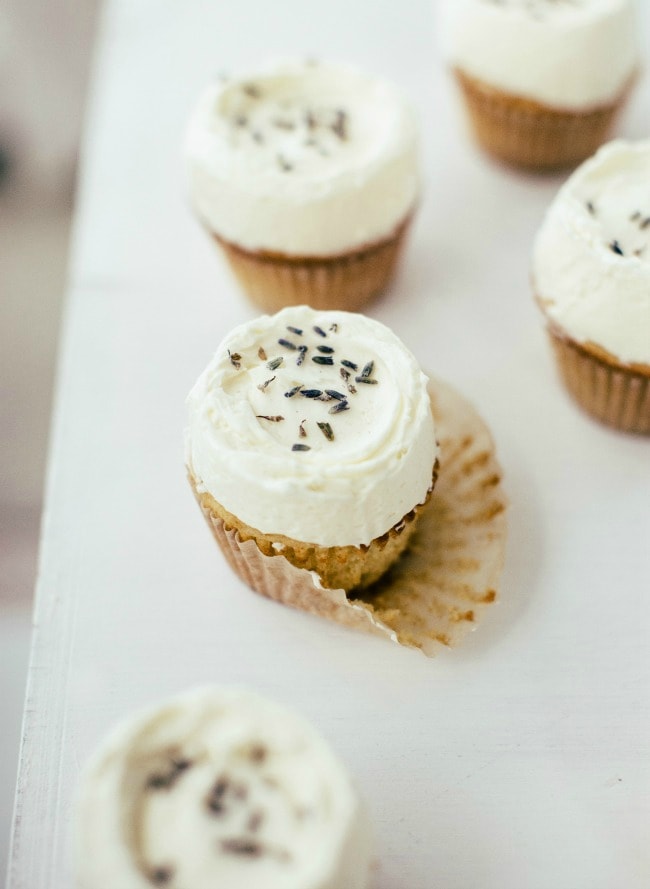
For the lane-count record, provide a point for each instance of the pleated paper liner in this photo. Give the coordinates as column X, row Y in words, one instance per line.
column 442, row 585
column 527, row 134
column 614, row 394
column 345, row 281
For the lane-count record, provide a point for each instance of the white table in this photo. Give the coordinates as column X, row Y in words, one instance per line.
column 518, row 761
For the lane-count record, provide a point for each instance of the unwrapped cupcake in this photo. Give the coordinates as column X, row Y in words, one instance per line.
column 219, row 788
column 311, row 433
column 591, row 276
column 542, row 79
column 306, row 175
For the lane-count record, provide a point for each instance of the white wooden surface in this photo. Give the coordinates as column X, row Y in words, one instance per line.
column 520, row 759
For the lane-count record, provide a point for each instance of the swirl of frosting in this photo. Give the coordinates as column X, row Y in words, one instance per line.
column 219, row 788
column 569, row 54
column 303, row 159
column 313, row 425
column 591, row 262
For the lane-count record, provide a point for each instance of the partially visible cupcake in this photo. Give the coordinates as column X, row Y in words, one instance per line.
column 306, row 175
column 219, row 788
column 542, row 79
column 591, row 276
column 311, row 434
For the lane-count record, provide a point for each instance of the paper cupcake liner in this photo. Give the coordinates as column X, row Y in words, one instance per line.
column 349, row 567
column 440, row 587
column 615, row 395
column 346, row 281
column 524, row 133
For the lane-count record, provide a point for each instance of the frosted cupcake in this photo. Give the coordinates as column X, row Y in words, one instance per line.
column 311, row 434
column 542, row 79
column 306, row 175
column 591, row 276
column 219, row 788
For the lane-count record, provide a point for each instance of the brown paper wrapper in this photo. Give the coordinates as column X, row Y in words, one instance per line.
column 440, row 587
column 347, row 281
column 614, row 394
column 527, row 134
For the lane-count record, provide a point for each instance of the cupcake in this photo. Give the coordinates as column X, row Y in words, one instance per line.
column 219, row 788
column 542, row 79
column 306, row 175
column 591, row 276
column 311, row 434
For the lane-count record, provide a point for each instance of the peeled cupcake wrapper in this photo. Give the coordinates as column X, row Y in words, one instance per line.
column 347, row 281
column 439, row 589
column 615, row 395
column 525, row 133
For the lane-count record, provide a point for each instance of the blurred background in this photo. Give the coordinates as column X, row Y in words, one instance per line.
column 45, row 63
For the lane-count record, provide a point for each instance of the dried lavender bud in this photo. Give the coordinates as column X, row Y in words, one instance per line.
column 295, row 330
column 350, row 364
column 301, row 430
column 160, row 876
column 301, row 357
column 215, row 801
column 235, row 359
column 275, row 363
column 366, row 380
column 339, row 407
column 287, row 344
column 319, row 331
column 261, row 354
column 321, row 359
column 339, row 127
column 292, row 392
column 334, row 327
column 334, row 394
column 326, row 429
column 165, row 780
column 311, row 393
column 300, row 447
column 326, row 350
column 367, row 371
column 242, row 846
column 262, row 386
column 615, row 247
column 275, row 419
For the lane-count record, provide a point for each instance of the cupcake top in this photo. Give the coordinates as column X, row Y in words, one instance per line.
column 303, row 158
column 570, row 54
column 219, row 788
column 313, row 425
column 591, row 264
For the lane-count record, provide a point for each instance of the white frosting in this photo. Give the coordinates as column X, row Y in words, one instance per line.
column 569, row 54
column 219, row 788
column 345, row 491
column 303, row 159
column 591, row 265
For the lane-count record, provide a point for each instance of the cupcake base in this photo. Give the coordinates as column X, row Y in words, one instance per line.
column 529, row 134
column 348, row 567
column 447, row 578
column 346, row 281
column 615, row 394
